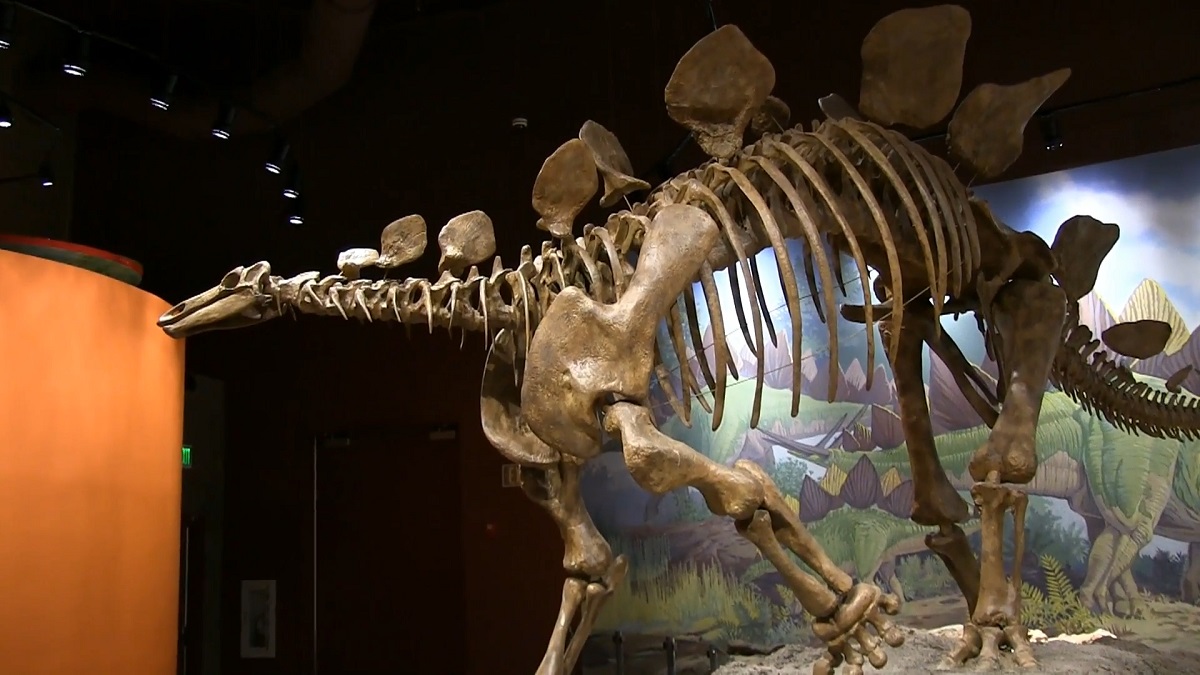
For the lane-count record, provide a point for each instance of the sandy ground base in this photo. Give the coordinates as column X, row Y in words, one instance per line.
column 922, row 651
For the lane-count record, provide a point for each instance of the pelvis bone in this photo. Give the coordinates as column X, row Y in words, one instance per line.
column 584, row 351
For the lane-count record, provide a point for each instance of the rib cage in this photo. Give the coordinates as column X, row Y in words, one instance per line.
column 845, row 184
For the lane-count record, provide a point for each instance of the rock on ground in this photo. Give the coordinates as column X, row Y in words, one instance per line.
column 922, row 651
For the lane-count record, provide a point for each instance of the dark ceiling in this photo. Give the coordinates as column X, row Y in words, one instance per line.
column 424, row 123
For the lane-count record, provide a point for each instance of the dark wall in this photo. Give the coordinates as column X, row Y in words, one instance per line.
column 203, row 507
column 288, row 382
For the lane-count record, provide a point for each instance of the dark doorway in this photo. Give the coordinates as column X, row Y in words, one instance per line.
column 390, row 595
column 190, row 654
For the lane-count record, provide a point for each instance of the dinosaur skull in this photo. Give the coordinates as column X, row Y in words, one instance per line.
column 242, row 298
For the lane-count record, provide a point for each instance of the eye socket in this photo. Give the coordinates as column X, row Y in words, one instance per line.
column 255, row 273
column 232, row 279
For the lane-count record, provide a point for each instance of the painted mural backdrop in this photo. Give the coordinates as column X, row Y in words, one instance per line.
column 1114, row 532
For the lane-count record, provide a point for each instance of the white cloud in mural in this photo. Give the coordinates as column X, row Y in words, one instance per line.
column 1160, row 237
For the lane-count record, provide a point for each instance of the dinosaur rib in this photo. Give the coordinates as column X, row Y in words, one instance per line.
column 936, row 285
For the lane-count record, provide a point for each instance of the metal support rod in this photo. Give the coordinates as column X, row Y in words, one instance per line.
column 619, row 652
column 669, row 648
column 713, row 664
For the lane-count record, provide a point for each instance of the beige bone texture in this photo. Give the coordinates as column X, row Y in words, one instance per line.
column 564, row 186
column 613, row 163
column 912, row 65
column 718, row 87
column 572, row 325
column 402, row 242
column 466, row 240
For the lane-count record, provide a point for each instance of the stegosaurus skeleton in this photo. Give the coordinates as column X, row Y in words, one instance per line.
column 577, row 323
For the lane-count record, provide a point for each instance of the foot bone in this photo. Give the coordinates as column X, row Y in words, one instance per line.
column 985, row 644
column 584, row 599
column 846, row 614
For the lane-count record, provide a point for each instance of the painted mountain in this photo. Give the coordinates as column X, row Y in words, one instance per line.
column 814, row 371
column 950, row 410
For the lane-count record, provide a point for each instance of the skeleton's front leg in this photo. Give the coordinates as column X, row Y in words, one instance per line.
column 744, row 491
column 1028, row 317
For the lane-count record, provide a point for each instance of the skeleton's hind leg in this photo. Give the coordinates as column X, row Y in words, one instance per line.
column 592, row 572
column 551, row 480
column 745, row 492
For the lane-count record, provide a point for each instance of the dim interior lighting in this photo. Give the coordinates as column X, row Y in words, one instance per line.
column 224, row 124
column 7, row 14
column 77, row 65
column 46, row 174
column 6, row 118
column 1051, row 134
column 279, row 157
column 162, row 100
column 291, row 190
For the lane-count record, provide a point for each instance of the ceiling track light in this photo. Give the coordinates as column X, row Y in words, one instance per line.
column 295, row 212
column 77, row 64
column 6, row 118
column 279, row 157
column 45, row 174
column 7, row 17
column 291, row 189
column 1051, row 133
column 162, row 100
column 223, row 127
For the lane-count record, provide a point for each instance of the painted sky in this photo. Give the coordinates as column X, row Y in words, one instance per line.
column 1154, row 198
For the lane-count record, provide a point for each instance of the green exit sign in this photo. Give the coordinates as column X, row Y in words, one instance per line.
column 187, row 456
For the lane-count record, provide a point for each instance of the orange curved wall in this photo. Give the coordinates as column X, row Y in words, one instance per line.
column 91, row 425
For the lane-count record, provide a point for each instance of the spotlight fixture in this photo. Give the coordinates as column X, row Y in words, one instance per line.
column 162, row 100
column 291, row 189
column 77, row 64
column 223, row 127
column 7, row 14
column 295, row 214
column 45, row 174
column 1051, row 134
column 6, row 118
column 279, row 157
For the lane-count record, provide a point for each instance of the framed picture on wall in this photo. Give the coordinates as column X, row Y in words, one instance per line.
column 258, row 619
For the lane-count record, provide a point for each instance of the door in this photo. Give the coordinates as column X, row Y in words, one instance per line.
column 191, row 597
column 389, row 557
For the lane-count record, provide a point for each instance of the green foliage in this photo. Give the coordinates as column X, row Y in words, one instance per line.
column 1047, row 534
column 788, row 475
column 703, row 601
column 1057, row 609
column 1161, row 572
column 924, row 576
column 688, row 508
